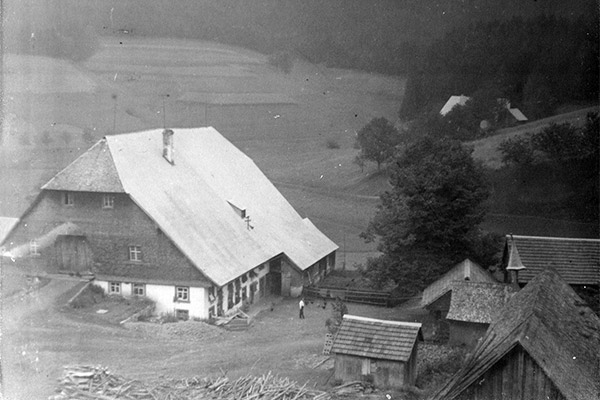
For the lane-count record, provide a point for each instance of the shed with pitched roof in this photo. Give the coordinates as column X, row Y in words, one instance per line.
column 472, row 308
column 543, row 345
column 379, row 351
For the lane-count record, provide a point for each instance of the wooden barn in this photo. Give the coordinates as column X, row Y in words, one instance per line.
column 473, row 306
column 196, row 226
column 543, row 345
column 378, row 351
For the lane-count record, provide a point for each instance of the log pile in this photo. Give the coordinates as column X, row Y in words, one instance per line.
column 97, row 383
column 353, row 387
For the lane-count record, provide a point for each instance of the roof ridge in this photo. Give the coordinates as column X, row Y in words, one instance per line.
column 552, row 238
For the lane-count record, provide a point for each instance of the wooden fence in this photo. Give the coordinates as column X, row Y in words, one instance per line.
column 372, row 297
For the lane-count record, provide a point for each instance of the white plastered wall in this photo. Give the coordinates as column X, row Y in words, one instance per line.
column 164, row 297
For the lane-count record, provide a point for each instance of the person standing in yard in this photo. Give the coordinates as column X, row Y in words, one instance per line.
column 301, row 306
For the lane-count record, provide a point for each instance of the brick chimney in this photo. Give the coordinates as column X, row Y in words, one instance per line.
column 514, row 264
column 168, row 149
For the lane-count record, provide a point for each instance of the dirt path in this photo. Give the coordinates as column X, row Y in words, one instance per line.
column 40, row 337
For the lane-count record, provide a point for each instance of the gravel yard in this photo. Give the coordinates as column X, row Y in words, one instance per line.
column 41, row 336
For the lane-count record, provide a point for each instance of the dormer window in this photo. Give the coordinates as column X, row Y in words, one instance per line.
column 108, row 201
column 238, row 208
column 68, row 199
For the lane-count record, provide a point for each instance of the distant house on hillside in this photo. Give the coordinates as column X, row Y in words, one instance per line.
column 461, row 100
column 576, row 260
column 196, row 227
column 452, row 102
column 543, row 345
column 382, row 352
column 473, row 306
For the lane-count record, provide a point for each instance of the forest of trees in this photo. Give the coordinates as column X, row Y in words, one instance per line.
column 537, row 64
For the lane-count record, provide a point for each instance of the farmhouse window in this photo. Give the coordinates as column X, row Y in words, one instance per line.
column 135, row 253
column 68, row 198
column 138, row 289
column 34, row 248
column 108, row 201
column 182, row 293
column 114, row 288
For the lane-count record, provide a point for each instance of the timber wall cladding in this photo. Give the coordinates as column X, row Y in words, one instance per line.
column 516, row 376
column 109, row 233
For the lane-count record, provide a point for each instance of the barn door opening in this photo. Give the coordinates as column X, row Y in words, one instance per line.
column 72, row 254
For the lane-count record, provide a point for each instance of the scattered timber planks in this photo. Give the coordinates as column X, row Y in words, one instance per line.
column 97, row 383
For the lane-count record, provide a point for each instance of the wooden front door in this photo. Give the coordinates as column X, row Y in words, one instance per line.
column 72, row 254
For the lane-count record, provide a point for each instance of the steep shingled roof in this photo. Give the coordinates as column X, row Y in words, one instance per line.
column 478, row 301
column 549, row 321
column 576, row 260
column 189, row 200
column 464, row 271
column 93, row 171
column 375, row 338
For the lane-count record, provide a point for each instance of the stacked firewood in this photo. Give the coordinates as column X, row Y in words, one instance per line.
column 97, row 383
column 353, row 388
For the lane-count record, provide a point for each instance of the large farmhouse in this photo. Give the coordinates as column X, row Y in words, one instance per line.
column 194, row 226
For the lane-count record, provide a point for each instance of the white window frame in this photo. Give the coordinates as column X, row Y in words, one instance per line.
column 114, row 287
column 182, row 294
column 34, row 248
column 138, row 289
column 68, row 199
column 135, row 253
column 108, row 201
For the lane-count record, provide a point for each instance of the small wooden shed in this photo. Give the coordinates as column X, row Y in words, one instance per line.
column 473, row 307
column 378, row 351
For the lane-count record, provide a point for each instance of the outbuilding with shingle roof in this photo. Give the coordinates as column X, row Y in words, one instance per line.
column 576, row 260
column 380, row 351
column 473, row 306
column 544, row 344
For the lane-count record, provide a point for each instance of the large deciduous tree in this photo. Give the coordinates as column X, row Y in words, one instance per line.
column 378, row 140
column 429, row 219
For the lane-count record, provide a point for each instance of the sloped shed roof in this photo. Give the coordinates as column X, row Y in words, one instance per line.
column 188, row 200
column 478, row 301
column 549, row 321
column 576, row 260
column 375, row 338
column 464, row 271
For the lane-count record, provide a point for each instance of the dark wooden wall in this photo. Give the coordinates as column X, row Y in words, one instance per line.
column 516, row 377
